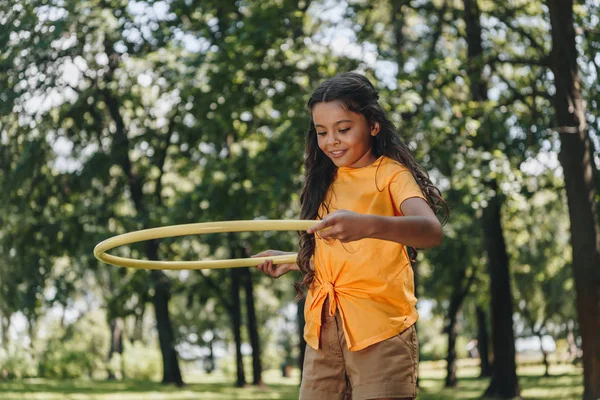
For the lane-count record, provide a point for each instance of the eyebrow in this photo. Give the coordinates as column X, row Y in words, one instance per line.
column 337, row 123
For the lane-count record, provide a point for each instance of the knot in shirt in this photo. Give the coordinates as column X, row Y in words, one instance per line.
column 330, row 290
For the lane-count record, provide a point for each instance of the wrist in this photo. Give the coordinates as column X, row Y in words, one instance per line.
column 370, row 226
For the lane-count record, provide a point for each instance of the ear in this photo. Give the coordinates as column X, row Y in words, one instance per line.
column 375, row 129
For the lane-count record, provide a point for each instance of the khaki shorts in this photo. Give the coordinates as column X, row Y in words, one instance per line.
column 382, row 370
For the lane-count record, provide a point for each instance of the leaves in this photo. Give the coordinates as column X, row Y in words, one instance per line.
column 117, row 116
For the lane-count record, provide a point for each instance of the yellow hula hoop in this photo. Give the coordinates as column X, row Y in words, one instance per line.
column 201, row 228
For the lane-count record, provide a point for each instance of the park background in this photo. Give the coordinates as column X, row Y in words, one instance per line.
column 123, row 115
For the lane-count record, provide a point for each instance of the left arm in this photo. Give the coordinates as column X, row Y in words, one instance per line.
column 419, row 227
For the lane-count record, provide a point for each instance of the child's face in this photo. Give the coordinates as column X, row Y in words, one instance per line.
column 343, row 135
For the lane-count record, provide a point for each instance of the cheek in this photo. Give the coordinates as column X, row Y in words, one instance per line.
column 352, row 139
column 320, row 142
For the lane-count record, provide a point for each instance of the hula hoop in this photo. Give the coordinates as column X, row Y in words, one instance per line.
column 201, row 228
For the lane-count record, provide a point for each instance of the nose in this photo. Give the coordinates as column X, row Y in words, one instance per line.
column 332, row 139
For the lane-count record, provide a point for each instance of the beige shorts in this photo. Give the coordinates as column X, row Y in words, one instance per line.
column 382, row 370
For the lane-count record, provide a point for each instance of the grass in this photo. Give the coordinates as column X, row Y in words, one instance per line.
column 564, row 384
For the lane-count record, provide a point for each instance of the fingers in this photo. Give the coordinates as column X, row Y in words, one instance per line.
column 269, row 268
column 272, row 269
column 325, row 223
column 330, row 233
column 262, row 266
column 336, row 233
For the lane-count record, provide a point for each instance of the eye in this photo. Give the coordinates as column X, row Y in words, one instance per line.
column 344, row 130
column 321, row 133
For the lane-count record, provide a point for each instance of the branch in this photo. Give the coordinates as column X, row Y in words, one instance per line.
column 217, row 291
column 468, row 285
column 517, row 95
column 121, row 141
column 210, row 282
column 425, row 82
column 397, row 21
column 499, row 58
column 510, row 14
column 523, row 32
column 161, row 163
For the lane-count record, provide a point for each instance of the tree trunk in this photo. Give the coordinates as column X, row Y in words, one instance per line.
column 398, row 19
column 483, row 343
column 451, row 357
column 301, row 342
column 160, row 300
column 162, row 289
column 5, row 320
column 31, row 331
column 138, row 326
column 456, row 301
column 116, row 341
column 63, row 316
column 544, row 355
column 211, row 358
column 578, row 168
column 236, row 321
column 252, row 327
column 460, row 291
column 504, row 382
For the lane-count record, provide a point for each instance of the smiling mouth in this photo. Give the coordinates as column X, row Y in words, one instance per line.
column 337, row 153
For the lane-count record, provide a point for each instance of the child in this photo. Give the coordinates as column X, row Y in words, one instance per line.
column 372, row 200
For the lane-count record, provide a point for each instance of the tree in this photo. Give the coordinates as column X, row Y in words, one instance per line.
column 504, row 382
column 247, row 128
column 452, row 269
column 579, row 170
column 461, row 141
column 93, row 117
column 483, row 342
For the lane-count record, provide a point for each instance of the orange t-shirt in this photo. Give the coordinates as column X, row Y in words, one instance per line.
column 370, row 281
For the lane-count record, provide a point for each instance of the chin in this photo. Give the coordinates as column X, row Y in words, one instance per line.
column 340, row 163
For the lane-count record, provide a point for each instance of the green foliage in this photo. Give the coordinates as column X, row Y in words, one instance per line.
column 79, row 353
column 544, row 285
column 62, row 362
column 140, row 362
column 433, row 346
column 17, row 362
column 111, row 121
column 157, row 133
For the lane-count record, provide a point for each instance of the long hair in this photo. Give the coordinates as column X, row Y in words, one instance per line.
column 356, row 93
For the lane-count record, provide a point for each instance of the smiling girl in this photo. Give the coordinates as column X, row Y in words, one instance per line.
column 373, row 201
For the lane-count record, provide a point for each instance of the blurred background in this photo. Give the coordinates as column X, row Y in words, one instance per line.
column 123, row 115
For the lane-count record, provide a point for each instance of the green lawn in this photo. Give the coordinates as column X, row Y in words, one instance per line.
column 564, row 384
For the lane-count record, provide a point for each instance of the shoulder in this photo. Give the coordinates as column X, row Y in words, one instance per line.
column 390, row 171
column 390, row 167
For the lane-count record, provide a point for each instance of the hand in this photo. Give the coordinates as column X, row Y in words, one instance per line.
column 343, row 225
column 274, row 270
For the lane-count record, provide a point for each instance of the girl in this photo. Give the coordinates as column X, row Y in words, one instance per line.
column 373, row 200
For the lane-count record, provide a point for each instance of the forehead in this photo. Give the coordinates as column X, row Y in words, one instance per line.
column 330, row 112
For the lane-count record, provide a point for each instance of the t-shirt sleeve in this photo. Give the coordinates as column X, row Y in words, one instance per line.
column 403, row 186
